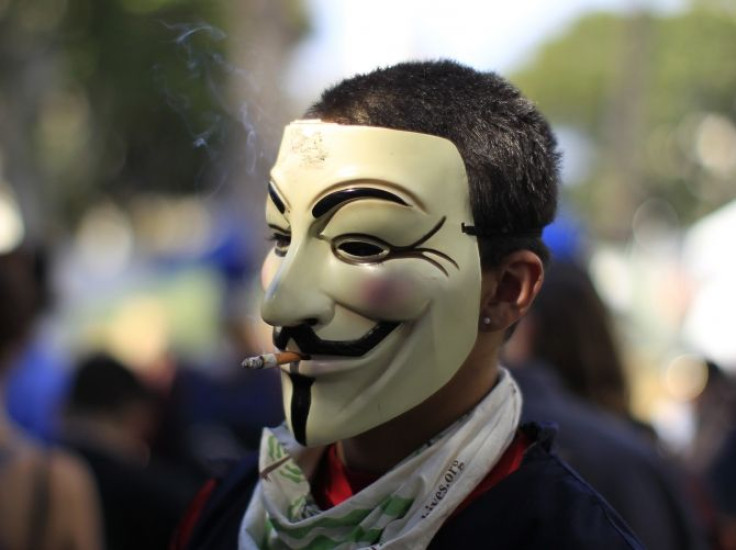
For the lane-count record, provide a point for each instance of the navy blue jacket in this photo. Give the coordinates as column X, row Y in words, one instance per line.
column 615, row 460
column 543, row 504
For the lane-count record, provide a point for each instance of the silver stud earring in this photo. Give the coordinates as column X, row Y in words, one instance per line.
column 486, row 321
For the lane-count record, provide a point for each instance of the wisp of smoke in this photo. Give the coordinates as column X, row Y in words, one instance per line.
column 198, row 92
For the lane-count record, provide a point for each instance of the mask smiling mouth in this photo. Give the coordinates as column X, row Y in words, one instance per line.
column 311, row 344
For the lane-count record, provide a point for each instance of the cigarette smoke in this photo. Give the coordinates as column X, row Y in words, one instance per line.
column 218, row 123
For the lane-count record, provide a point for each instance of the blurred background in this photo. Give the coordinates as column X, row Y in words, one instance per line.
column 136, row 137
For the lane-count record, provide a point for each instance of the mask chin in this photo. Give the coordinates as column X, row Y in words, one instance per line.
column 409, row 366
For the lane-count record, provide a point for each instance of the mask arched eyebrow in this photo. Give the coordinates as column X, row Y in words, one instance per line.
column 343, row 196
column 276, row 197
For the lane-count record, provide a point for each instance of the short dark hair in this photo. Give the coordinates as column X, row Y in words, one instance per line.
column 19, row 298
column 104, row 385
column 509, row 150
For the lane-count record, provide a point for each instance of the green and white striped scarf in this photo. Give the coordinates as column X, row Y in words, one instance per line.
column 402, row 510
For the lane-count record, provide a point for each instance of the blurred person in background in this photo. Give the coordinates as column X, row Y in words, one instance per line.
column 566, row 360
column 111, row 418
column 47, row 496
column 216, row 408
column 712, row 454
column 715, row 417
column 208, row 418
column 571, row 329
column 38, row 381
column 721, row 482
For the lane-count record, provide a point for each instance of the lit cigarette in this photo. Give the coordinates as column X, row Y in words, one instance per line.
column 269, row 360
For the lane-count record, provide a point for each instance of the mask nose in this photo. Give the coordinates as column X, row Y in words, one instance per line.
column 294, row 295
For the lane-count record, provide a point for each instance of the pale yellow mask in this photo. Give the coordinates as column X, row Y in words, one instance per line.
column 371, row 274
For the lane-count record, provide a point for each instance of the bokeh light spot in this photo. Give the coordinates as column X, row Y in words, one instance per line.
column 685, row 377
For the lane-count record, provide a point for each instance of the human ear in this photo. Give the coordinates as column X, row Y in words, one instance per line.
column 508, row 290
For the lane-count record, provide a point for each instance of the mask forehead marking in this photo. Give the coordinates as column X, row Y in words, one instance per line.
column 338, row 198
column 307, row 145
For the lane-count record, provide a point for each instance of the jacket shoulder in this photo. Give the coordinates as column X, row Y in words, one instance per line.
column 215, row 523
column 543, row 504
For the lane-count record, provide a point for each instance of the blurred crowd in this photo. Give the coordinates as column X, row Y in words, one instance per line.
column 568, row 358
column 129, row 296
column 97, row 451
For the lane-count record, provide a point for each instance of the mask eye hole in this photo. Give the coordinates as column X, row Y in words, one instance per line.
column 281, row 242
column 360, row 249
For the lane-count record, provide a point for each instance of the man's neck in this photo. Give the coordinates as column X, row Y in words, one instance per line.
column 378, row 450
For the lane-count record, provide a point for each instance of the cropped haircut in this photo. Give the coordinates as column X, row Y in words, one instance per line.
column 104, row 385
column 508, row 148
column 19, row 302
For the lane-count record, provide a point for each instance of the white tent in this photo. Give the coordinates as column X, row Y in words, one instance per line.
column 709, row 257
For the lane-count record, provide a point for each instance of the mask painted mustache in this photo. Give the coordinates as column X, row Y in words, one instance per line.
column 311, row 344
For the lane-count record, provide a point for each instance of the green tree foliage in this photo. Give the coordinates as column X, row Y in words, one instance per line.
column 656, row 95
column 112, row 97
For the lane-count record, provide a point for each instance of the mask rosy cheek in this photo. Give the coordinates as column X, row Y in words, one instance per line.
column 393, row 297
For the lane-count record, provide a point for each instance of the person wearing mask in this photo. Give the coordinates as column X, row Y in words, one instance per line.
column 406, row 211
